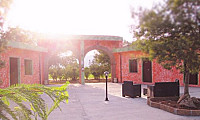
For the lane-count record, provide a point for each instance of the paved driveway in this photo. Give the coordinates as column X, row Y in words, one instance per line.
column 87, row 102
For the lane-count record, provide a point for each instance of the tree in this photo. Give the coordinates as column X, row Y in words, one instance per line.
column 60, row 73
column 20, row 35
column 4, row 7
column 87, row 72
column 126, row 43
column 63, row 66
column 71, row 67
column 53, row 72
column 103, row 60
column 171, row 35
column 95, row 70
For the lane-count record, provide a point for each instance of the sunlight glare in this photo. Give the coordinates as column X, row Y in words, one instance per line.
column 66, row 54
column 65, row 16
column 84, row 17
column 43, row 15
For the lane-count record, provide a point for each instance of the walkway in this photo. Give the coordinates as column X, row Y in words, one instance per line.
column 87, row 103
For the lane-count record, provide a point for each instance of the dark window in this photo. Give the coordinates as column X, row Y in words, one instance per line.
column 133, row 65
column 28, row 67
column 193, row 79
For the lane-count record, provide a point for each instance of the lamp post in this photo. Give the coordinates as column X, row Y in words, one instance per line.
column 106, row 74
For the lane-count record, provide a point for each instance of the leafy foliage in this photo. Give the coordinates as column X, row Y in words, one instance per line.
column 63, row 67
column 102, row 58
column 95, row 70
column 14, row 101
column 100, row 64
column 171, row 35
column 87, row 72
column 19, row 35
column 4, row 7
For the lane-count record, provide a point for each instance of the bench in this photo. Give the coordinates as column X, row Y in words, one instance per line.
column 164, row 89
column 131, row 90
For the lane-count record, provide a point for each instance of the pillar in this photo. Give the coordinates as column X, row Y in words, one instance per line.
column 46, row 69
column 113, row 71
column 81, row 64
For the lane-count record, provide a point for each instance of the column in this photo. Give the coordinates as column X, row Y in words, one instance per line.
column 81, row 63
column 46, row 69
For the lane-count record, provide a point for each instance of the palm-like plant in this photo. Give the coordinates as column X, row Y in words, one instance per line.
column 26, row 101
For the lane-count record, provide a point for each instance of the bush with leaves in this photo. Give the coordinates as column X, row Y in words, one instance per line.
column 95, row 70
column 87, row 72
column 20, row 95
column 53, row 72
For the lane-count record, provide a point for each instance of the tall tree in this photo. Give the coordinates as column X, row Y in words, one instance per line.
column 171, row 35
column 103, row 60
column 87, row 72
column 4, row 7
column 95, row 70
column 20, row 35
column 63, row 66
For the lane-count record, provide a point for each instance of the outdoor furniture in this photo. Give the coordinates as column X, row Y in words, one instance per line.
column 128, row 89
column 163, row 89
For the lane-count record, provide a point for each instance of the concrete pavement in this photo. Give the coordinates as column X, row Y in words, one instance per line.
column 87, row 102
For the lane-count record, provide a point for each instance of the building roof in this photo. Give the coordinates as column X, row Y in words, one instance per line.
column 125, row 49
column 80, row 37
column 26, row 46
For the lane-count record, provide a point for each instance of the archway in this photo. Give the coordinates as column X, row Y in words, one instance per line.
column 109, row 53
column 80, row 45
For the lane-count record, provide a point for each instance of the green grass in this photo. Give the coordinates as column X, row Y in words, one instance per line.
column 92, row 77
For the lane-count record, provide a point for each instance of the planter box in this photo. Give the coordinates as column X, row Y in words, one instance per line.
column 184, row 112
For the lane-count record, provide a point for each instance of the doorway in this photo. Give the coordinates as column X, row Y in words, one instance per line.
column 14, row 71
column 147, row 71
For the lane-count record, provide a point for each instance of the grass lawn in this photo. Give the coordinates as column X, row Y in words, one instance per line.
column 92, row 77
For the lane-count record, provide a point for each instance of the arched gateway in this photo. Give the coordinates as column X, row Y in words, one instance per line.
column 80, row 45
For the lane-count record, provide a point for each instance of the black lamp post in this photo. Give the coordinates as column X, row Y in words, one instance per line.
column 106, row 74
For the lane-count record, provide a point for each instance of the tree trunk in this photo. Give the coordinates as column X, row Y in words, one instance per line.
column 186, row 88
column 186, row 85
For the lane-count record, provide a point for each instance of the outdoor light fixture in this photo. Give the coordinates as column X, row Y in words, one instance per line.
column 106, row 74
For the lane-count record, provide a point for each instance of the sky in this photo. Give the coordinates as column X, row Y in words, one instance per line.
column 78, row 17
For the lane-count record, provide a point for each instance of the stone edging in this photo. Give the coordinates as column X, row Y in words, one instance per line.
column 172, row 109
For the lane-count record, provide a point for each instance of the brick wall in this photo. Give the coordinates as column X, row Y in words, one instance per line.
column 159, row 74
column 21, row 54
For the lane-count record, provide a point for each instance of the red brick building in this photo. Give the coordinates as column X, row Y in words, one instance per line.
column 131, row 66
column 29, row 64
column 24, row 63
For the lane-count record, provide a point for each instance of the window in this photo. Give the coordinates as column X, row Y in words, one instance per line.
column 28, row 67
column 133, row 65
column 193, row 78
